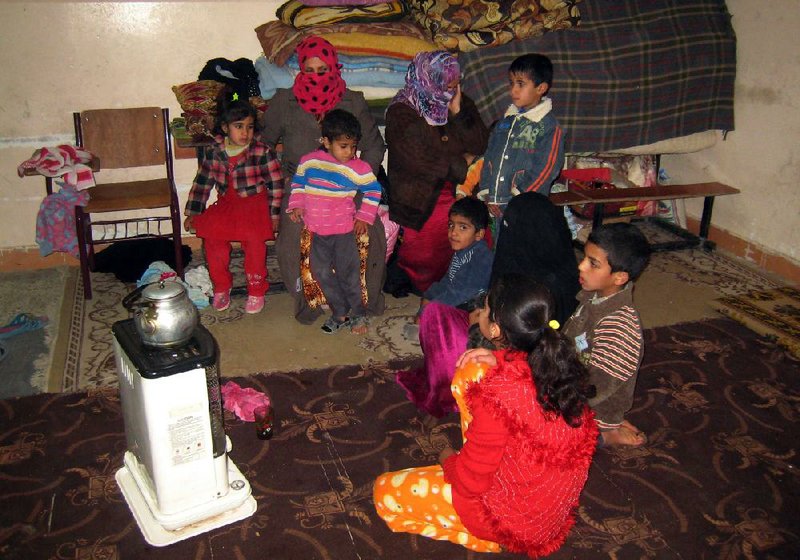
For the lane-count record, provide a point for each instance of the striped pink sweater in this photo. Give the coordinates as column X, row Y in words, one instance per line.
column 325, row 189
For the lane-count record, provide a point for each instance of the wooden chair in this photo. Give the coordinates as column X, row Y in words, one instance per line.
column 122, row 139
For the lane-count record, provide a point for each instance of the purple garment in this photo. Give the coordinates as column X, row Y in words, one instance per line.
column 443, row 332
column 426, row 89
column 55, row 222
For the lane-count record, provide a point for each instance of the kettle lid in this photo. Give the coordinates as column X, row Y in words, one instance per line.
column 163, row 290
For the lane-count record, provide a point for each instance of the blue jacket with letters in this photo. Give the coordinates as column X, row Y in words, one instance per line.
column 525, row 153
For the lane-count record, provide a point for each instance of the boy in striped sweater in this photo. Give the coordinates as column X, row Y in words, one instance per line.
column 606, row 327
column 323, row 191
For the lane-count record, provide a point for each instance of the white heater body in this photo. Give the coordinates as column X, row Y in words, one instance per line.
column 176, row 461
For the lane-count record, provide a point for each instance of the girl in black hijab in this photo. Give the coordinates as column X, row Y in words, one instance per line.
column 534, row 240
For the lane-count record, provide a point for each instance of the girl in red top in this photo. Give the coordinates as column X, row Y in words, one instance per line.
column 247, row 175
column 528, row 434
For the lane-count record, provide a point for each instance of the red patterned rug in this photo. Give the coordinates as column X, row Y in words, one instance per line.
column 719, row 478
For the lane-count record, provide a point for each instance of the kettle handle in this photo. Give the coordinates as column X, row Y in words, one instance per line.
column 129, row 301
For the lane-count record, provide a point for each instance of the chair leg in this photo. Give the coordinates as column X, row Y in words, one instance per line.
column 80, row 230
column 176, row 239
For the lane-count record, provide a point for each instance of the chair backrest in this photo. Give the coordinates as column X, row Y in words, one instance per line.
column 123, row 138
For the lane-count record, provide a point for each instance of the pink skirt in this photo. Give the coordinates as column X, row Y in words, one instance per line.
column 443, row 334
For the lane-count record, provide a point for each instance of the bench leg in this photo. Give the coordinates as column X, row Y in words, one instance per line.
column 597, row 219
column 705, row 223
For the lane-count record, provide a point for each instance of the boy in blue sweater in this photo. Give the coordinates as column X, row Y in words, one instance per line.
column 526, row 147
column 471, row 265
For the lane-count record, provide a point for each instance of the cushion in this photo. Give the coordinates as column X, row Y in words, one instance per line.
column 198, row 101
column 299, row 15
column 311, row 288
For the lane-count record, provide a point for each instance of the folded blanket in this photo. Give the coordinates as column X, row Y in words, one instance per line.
column 353, row 63
column 465, row 26
column 272, row 77
column 300, row 15
column 342, row 2
column 371, row 44
column 279, row 40
column 379, row 97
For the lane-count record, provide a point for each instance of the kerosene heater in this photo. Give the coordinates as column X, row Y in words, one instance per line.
column 177, row 478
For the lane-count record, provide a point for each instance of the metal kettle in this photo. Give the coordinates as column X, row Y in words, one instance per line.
column 163, row 314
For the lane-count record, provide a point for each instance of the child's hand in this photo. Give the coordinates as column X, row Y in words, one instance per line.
column 455, row 102
column 445, row 453
column 480, row 355
column 296, row 215
column 360, row 227
column 422, row 303
column 475, row 316
column 188, row 224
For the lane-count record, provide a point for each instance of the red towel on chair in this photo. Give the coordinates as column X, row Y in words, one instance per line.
column 65, row 161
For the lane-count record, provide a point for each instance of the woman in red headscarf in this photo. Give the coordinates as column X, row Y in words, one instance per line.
column 293, row 118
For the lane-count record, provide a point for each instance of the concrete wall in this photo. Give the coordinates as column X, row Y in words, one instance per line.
column 62, row 57
column 762, row 156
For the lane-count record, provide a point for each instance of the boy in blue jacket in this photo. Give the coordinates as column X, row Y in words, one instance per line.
column 526, row 147
column 471, row 265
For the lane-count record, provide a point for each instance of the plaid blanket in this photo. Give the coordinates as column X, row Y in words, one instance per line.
column 633, row 73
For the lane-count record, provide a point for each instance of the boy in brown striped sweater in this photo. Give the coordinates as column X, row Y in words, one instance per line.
column 606, row 327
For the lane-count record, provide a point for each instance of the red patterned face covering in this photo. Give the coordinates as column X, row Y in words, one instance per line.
column 318, row 93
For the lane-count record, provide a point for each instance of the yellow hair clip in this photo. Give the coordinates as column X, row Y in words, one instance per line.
column 554, row 325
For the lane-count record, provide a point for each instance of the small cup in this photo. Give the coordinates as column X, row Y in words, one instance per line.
column 264, row 417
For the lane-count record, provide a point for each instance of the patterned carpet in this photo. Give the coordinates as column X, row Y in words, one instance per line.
column 718, row 479
column 676, row 287
column 774, row 313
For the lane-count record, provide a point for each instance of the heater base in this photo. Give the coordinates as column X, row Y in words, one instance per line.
column 158, row 535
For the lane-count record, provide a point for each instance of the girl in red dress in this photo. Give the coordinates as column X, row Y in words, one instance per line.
column 528, row 438
column 247, row 176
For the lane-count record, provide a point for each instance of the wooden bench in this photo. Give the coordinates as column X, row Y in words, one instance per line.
column 599, row 197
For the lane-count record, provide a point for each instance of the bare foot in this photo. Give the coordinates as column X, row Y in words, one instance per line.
column 624, row 436
column 631, row 427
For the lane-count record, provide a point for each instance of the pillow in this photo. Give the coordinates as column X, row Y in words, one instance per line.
column 198, row 101
column 312, row 291
column 299, row 15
